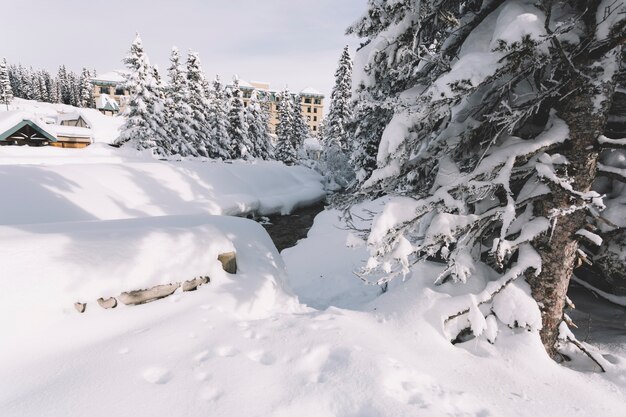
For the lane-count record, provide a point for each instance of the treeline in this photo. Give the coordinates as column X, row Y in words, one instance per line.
column 65, row 87
column 192, row 116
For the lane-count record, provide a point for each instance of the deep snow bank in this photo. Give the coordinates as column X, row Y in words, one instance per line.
column 48, row 267
column 41, row 185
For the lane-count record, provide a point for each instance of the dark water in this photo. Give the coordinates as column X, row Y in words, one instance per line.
column 286, row 230
column 599, row 321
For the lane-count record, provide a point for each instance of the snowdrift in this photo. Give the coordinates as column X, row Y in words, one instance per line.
column 43, row 185
column 48, row 267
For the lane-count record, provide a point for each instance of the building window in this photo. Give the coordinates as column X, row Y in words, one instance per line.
column 315, row 118
column 119, row 91
column 307, row 100
column 104, row 90
column 315, row 110
column 308, row 109
column 314, row 128
column 245, row 104
column 308, row 118
column 318, row 101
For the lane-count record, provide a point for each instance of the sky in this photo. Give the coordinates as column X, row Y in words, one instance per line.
column 294, row 43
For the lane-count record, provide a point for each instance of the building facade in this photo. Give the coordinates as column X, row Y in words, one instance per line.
column 109, row 93
column 311, row 102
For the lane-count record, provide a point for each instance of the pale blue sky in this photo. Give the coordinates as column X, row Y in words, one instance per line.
column 294, row 42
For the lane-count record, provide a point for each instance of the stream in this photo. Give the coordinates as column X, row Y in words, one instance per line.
column 287, row 230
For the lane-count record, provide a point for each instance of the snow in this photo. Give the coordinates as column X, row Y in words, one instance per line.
column 103, row 183
column 116, row 76
column 311, row 91
column 351, row 352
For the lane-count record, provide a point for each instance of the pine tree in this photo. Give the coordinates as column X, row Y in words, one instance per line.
column 301, row 130
column 64, row 85
column 86, row 89
column 6, row 92
column 238, row 125
column 285, row 150
column 258, row 127
column 177, row 110
column 496, row 168
column 203, row 140
column 138, row 129
column 340, row 112
column 164, row 146
column 218, row 117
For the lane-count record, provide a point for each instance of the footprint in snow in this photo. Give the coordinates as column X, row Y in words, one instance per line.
column 202, row 356
column 264, row 358
column 226, row 351
column 156, row 375
column 210, row 393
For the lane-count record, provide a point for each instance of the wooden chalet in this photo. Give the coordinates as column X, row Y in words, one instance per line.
column 19, row 128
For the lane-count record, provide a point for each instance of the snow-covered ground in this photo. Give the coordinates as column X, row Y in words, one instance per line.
column 245, row 346
column 103, row 183
column 297, row 334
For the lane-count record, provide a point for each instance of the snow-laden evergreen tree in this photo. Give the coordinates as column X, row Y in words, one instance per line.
column 257, row 117
column 164, row 146
column 86, row 89
column 6, row 92
column 218, row 117
column 301, row 129
column 203, row 140
column 64, row 85
column 238, row 124
column 340, row 112
column 498, row 115
column 335, row 161
column 178, row 112
column 285, row 150
column 139, row 128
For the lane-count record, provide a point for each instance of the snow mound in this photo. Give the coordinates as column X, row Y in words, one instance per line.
column 50, row 266
column 104, row 183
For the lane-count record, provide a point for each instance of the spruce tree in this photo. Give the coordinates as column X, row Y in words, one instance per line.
column 285, row 150
column 203, row 140
column 138, row 129
column 301, row 130
column 178, row 112
column 6, row 93
column 340, row 113
column 494, row 148
column 258, row 127
column 218, row 118
column 86, row 89
column 238, row 124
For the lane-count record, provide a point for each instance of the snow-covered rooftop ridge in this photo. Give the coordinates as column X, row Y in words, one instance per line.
column 106, row 102
column 9, row 119
column 311, row 91
column 116, row 76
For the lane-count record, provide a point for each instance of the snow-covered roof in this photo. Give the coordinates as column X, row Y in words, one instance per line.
column 72, row 132
column 61, row 117
column 106, row 102
column 13, row 118
column 116, row 76
column 245, row 84
column 311, row 92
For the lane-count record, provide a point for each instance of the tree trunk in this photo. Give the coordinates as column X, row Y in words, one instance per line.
column 558, row 249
